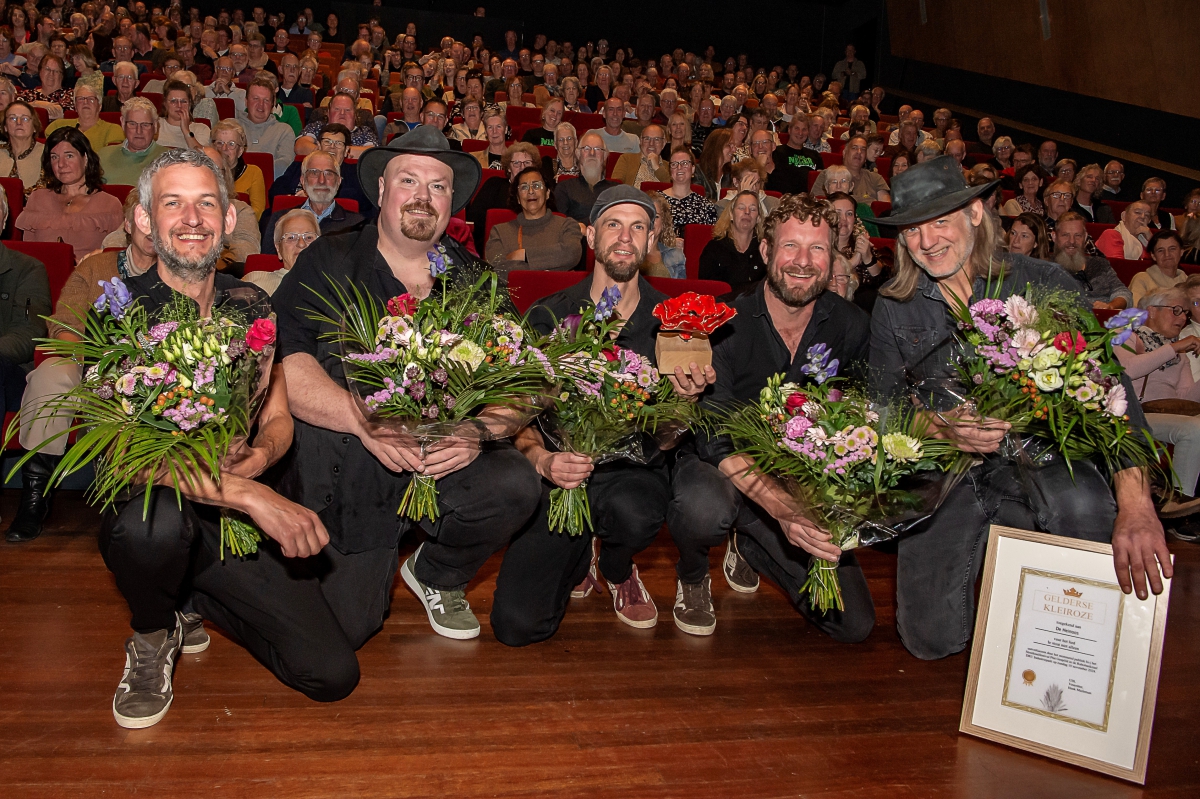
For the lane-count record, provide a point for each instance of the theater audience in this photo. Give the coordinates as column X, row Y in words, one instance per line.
column 123, row 165
column 537, row 238
column 125, row 78
column 1098, row 282
column 1165, row 250
column 294, row 231
column 472, row 127
column 565, row 162
column 1027, row 200
column 733, row 255
column 687, row 207
column 634, row 169
column 616, row 138
column 1131, row 235
column 1087, row 190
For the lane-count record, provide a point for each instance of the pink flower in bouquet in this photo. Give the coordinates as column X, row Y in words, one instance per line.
column 796, row 427
column 1064, row 343
column 988, row 317
column 260, row 334
column 1116, row 403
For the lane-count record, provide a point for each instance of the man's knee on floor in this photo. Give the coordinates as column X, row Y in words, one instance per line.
column 516, row 629
column 328, row 679
column 853, row 628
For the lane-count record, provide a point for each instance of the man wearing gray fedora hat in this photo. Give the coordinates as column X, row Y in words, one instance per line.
column 946, row 252
column 353, row 474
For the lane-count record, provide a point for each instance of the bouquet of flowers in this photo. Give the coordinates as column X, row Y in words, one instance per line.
column 611, row 398
column 1045, row 365
column 456, row 364
column 162, row 396
column 865, row 473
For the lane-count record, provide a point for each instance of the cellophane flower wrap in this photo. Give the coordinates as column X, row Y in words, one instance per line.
column 1044, row 364
column 863, row 472
column 610, row 402
column 167, row 394
column 457, row 364
column 692, row 314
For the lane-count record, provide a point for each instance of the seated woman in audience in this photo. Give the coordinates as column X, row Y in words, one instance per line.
column 11, row 64
column 1153, row 361
column 1002, row 148
column 51, row 90
column 20, row 151
column 687, row 207
column 229, row 137
column 854, row 245
column 472, row 125
column 844, row 281
column 1166, row 250
column 901, row 161
column 515, row 91
column 733, row 254
column 715, row 162
column 1028, row 236
column 572, row 95
column 1189, row 217
column 87, row 70
column 537, row 238
column 739, row 141
column 176, row 127
column 599, row 92
column 8, row 93
column 87, row 105
column 749, row 175
column 294, row 231
column 496, row 129
column 495, row 191
column 665, row 258
column 679, row 132
column 1028, row 201
column 1066, row 169
column 72, row 207
column 202, row 107
column 566, row 160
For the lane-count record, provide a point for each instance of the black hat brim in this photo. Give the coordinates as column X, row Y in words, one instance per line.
column 932, row 209
column 467, row 171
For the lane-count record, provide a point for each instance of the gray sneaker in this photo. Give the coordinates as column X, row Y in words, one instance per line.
column 144, row 694
column 448, row 611
column 693, row 610
column 195, row 637
column 738, row 573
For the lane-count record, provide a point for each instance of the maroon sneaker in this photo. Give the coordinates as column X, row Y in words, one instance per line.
column 632, row 602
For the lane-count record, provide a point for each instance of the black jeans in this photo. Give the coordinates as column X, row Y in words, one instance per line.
column 765, row 547
column 938, row 566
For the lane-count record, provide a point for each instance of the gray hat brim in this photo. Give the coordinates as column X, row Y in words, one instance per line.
column 467, row 171
column 935, row 208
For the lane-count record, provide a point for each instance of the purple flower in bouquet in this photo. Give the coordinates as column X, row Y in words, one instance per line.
column 608, row 303
column 470, row 319
column 116, row 297
column 440, row 376
column 796, row 427
column 988, row 317
column 160, row 331
column 820, row 367
column 417, row 391
column 1124, row 322
column 570, row 325
column 438, row 261
column 205, row 372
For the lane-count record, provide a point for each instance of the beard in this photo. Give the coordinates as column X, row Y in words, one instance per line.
column 419, row 228
column 190, row 270
column 1071, row 261
column 792, row 297
column 619, row 272
column 592, row 172
column 321, row 194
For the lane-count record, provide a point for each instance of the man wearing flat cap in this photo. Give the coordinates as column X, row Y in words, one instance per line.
column 945, row 254
column 629, row 502
column 353, row 474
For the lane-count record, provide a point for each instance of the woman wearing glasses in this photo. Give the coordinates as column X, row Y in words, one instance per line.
column 1155, row 363
column 71, row 208
column 175, row 125
column 50, row 72
column 229, row 137
column 1002, row 148
column 295, row 230
column 537, row 238
column 87, row 106
column 687, row 206
column 21, row 155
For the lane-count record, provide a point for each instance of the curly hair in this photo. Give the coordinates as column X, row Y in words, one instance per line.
column 93, row 175
column 802, row 208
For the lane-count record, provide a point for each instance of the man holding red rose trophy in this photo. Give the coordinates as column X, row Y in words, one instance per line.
column 629, row 502
column 159, row 557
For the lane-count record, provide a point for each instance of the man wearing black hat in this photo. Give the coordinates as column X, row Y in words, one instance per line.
column 353, row 474
column 945, row 253
column 629, row 502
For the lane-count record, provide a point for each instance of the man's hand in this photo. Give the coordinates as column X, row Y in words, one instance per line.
column 969, row 432
column 693, row 382
column 397, row 452
column 295, row 528
column 565, row 469
column 807, row 535
column 1138, row 542
column 449, row 455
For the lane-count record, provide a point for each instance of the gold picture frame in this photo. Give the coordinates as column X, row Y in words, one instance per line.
column 1106, row 645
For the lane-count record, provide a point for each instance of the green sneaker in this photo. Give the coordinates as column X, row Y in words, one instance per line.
column 144, row 694
column 448, row 611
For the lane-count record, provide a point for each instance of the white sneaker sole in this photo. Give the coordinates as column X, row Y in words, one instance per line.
column 692, row 629
column 410, row 580
column 140, row 723
column 194, row 648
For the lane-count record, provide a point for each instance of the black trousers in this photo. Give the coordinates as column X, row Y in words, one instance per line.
column 629, row 505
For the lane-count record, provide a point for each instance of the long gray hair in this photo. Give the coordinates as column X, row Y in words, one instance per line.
column 982, row 261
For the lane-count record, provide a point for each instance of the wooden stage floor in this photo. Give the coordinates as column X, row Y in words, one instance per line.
column 767, row 707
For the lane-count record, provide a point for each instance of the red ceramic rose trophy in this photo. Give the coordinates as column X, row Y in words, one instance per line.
column 687, row 322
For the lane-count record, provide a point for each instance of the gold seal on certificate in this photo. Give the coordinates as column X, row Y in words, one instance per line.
column 1064, row 646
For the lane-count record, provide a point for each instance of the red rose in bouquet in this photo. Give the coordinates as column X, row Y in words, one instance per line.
column 260, row 334
column 693, row 313
column 795, row 402
column 402, row 305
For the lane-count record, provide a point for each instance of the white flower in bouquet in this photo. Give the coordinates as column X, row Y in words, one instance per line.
column 1047, row 359
column 1048, row 380
column 467, row 353
column 1028, row 343
column 901, row 448
column 1116, row 404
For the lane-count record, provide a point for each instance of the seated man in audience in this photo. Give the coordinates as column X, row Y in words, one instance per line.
column 1114, row 176
column 56, row 376
column 320, row 179
column 1087, row 202
column 160, row 558
column 986, row 131
column 629, row 502
column 616, row 139
column 946, row 251
column 354, row 474
column 577, row 196
column 1165, row 250
column 294, row 231
column 643, row 115
column 123, row 165
column 795, row 159
column 125, row 78
column 552, row 114
column 264, row 133
column 333, row 139
column 224, row 86
column 906, row 139
column 435, row 114
column 957, row 149
column 339, row 111
column 1047, row 157
column 1131, row 235
column 1154, row 191
column 703, row 125
column 778, row 322
column 866, row 186
column 1099, row 284
column 290, row 90
column 633, row 169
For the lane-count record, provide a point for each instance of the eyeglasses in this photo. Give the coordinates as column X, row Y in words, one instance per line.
column 1059, row 195
column 537, row 185
column 292, row 238
column 140, row 125
column 588, row 150
column 226, row 145
column 1154, row 191
column 654, row 139
column 328, row 174
column 333, row 143
column 24, row 119
column 1178, row 310
column 679, row 164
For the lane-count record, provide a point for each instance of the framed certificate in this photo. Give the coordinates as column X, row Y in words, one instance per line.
column 1063, row 663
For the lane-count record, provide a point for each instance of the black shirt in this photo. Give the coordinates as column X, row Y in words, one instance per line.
column 329, row 472
column 638, row 334
column 231, row 294
column 748, row 350
column 804, row 158
column 539, row 137
column 721, row 260
column 575, row 197
column 492, row 194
